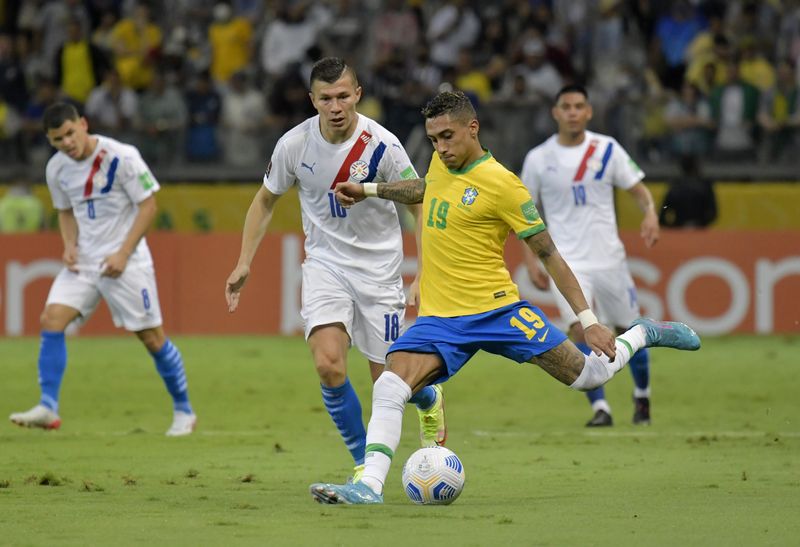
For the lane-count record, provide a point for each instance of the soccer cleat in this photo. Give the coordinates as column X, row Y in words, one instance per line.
column 668, row 334
column 641, row 411
column 182, row 424
column 353, row 493
column 601, row 418
column 38, row 416
column 432, row 424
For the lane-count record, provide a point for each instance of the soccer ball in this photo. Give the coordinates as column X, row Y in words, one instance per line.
column 433, row 476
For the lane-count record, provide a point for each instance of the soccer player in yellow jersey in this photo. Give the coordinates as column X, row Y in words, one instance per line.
column 468, row 301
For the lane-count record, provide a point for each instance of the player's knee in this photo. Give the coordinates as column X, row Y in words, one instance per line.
column 53, row 321
column 331, row 369
column 153, row 339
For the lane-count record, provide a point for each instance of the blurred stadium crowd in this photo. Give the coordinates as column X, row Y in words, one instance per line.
column 206, row 81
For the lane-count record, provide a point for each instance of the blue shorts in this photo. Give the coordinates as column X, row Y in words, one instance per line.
column 517, row 331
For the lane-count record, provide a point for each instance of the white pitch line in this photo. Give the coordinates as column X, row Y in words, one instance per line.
column 709, row 434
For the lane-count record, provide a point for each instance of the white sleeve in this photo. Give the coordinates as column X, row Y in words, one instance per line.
column 625, row 172
column 135, row 176
column 395, row 164
column 280, row 174
column 59, row 197
column 529, row 176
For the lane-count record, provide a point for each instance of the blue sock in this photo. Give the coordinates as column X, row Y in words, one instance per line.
column 345, row 411
column 169, row 364
column 596, row 394
column 424, row 398
column 52, row 364
column 640, row 368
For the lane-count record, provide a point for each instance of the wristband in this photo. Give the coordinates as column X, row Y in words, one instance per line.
column 370, row 189
column 587, row 319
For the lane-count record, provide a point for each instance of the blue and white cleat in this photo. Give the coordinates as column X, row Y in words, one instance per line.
column 353, row 493
column 668, row 334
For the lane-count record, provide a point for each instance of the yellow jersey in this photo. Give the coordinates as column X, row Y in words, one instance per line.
column 467, row 215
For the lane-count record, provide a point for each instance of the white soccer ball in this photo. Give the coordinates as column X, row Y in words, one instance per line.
column 433, row 476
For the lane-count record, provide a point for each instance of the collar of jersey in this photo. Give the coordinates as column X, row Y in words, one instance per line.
column 472, row 165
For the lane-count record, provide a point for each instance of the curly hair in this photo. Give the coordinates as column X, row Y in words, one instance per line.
column 454, row 103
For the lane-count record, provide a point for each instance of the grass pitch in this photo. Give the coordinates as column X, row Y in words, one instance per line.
column 719, row 466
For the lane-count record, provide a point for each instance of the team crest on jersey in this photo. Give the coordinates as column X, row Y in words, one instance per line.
column 359, row 170
column 470, row 194
column 594, row 165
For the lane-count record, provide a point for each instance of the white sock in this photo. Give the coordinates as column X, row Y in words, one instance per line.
column 640, row 393
column 597, row 370
column 389, row 397
column 601, row 404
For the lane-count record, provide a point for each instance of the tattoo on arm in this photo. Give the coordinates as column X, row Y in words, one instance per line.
column 403, row 191
column 542, row 245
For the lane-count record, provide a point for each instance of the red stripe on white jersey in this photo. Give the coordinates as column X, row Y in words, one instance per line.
column 89, row 186
column 588, row 154
column 358, row 148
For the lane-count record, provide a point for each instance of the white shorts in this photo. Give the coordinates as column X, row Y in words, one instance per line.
column 372, row 314
column 132, row 297
column 610, row 293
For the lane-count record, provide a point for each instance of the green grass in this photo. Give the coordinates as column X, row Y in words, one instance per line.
column 719, row 465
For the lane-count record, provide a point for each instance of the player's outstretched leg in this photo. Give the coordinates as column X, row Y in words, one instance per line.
column 52, row 364
column 668, row 334
column 430, row 407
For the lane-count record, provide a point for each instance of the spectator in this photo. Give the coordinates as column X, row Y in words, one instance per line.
column 9, row 127
column 137, row 43
column 734, row 107
column 453, row 27
column 35, row 147
column 287, row 38
column 50, row 27
column 690, row 200
column 204, row 105
column 779, row 114
column 688, row 117
column 753, row 67
column 288, row 101
column 162, row 113
column 674, row 32
column 397, row 28
column 231, row 43
column 472, row 80
column 243, row 119
column 20, row 210
column 112, row 108
column 102, row 36
column 13, row 89
column 80, row 66
column 707, row 77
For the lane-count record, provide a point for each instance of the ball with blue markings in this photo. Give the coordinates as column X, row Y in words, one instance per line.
column 433, row 476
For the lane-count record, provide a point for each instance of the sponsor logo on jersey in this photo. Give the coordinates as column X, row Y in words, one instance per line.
column 146, row 180
column 408, row 173
column 499, row 294
column 307, row 166
column 529, row 212
column 359, row 170
column 470, row 194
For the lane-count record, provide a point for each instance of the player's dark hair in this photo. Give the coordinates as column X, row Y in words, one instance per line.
column 454, row 103
column 572, row 88
column 330, row 69
column 57, row 113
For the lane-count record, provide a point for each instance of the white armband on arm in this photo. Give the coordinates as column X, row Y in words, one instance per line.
column 587, row 319
column 370, row 189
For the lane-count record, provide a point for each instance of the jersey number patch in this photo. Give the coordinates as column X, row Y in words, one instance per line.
column 337, row 211
column 391, row 327
column 579, row 193
column 528, row 322
column 440, row 221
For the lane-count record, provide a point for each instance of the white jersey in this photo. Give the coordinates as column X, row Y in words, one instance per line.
column 103, row 192
column 575, row 184
column 364, row 240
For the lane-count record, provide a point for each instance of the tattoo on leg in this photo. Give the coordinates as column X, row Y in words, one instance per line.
column 564, row 362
